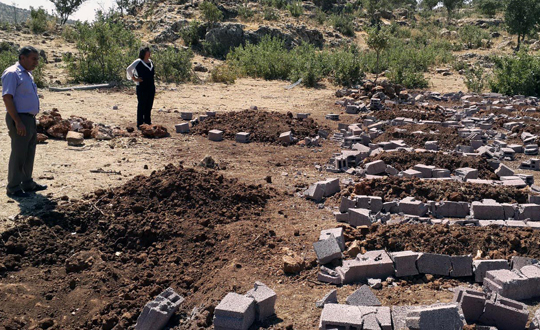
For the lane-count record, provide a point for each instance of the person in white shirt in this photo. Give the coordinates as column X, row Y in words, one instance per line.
column 141, row 71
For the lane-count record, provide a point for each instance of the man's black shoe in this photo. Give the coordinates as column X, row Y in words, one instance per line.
column 37, row 187
column 18, row 194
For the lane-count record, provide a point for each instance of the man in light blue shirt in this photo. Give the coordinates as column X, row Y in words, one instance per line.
column 22, row 103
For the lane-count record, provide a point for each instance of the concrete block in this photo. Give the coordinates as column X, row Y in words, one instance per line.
column 391, row 207
column 242, row 137
column 329, row 276
column 441, row 173
column 399, row 316
column 405, row 263
column 487, row 211
column 466, row 173
column 410, row 173
column 426, row 170
column 480, row 267
column 211, row 113
column 286, row 137
column 529, row 211
column 504, row 170
column 435, row 264
column 157, row 312
column 413, row 207
column 265, row 300
column 186, row 115
column 331, row 187
column 182, row 128
column 337, row 233
column 439, row 317
column 471, row 302
column 315, row 191
column 337, row 316
column 373, row 203
column 518, row 262
column 342, row 217
column 215, row 135
column 461, row 266
column 505, row 314
column 509, row 210
column 372, row 264
column 74, row 138
column 235, row 312
column 376, row 167
column 346, row 204
column 329, row 298
column 363, row 297
column 451, row 209
column 327, row 250
column 359, row 217
column 508, row 284
column 302, row 115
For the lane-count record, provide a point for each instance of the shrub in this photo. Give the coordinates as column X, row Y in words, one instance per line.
column 223, row 74
column 475, row 79
column 471, row 36
column 104, row 49
column 190, row 33
column 9, row 55
column 295, row 8
column 320, row 16
column 245, row 12
column 407, row 77
column 343, row 24
column 173, row 65
column 270, row 14
column 211, row 12
column 346, row 67
column 308, row 65
column 279, row 4
column 489, row 7
column 38, row 20
column 516, row 75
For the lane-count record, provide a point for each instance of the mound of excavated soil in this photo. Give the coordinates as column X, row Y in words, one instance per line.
column 263, row 126
column 493, row 242
column 403, row 160
column 448, row 137
column 105, row 257
column 417, row 113
column 393, row 187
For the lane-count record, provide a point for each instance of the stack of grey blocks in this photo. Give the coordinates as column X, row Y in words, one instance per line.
column 157, row 312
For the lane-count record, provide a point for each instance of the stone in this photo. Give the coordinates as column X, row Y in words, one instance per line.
column 157, row 312
column 376, row 167
column 405, row 263
column 242, row 137
column 75, row 139
column 292, row 264
column 363, row 297
column 471, row 302
column 215, row 135
column 535, row 323
column 327, row 250
column 234, row 312
column 182, row 128
column 337, row 233
column 375, row 283
column 480, row 267
column 329, row 298
column 265, row 300
column 435, row 264
column 461, row 266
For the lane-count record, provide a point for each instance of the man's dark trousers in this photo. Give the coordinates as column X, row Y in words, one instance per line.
column 23, row 151
column 145, row 98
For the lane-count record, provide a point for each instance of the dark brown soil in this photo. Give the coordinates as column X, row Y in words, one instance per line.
column 263, row 126
column 493, row 242
column 403, row 160
column 447, row 136
column 391, row 188
column 128, row 244
column 417, row 113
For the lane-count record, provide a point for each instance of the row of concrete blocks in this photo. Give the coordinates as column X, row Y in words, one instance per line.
column 465, row 222
column 422, row 171
column 189, row 115
column 322, row 189
column 239, row 312
column 360, row 211
column 156, row 313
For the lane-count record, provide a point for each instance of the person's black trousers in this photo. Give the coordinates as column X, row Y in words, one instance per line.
column 145, row 97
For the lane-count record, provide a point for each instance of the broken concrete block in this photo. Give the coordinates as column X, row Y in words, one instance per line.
column 215, row 135
column 466, row 173
column 487, row 210
column 363, row 297
column 331, row 187
column 504, row 170
column 391, row 207
column 461, row 266
column 508, row 284
column 372, row 264
column 315, row 191
column 329, row 298
column 242, row 137
column 337, row 316
column 451, row 209
column 438, row 317
column 373, row 203
column 410, row 173
column 471, row 302
column 265, row 300
column 405, row 263
column 302, row 115
column 327, row 250
column 346, row 204
column 376, row 167
column 337, row 233
column 435, row 264
column 157, row 312
column 234, row 312
column 74, row 138
column 342, row 217
column 505, row 314
column 529, row 211
column 412, row 206
column 441, row 173
column 518, row 262
column 182, row 128
column 359, row 217
column 426, row 170
column 480, row 267
column 286, row 137
column 329, row 276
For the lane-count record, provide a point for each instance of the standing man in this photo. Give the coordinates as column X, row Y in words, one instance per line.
column 22, row 103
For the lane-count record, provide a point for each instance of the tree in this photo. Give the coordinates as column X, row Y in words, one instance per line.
column 429, row 4
column 378, row 41
column 451, row 5
column 521, row 18
column 64, row 8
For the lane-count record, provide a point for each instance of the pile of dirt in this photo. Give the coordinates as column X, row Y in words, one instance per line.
column 416, row 113
column 105, row 257
column 447, row 137
column 493, row 242
column 51, row 124
column 263, row 126
column 390, row 188
column 153, row 131
column 403, row 160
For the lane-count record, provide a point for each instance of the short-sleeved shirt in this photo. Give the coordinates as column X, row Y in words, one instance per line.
column 19, row 83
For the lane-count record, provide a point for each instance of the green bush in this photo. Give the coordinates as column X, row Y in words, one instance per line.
column 475, row 79
column 516, row 75
column 320, row 16
column 270, row 14
column 343, row 24
column 173, row 65
column 279, row 4
column 38, row 20
column 245, row 12
column 223, row 74
column 407, row 77
column 471, row 36
column 104, row 49
column 308, row 65
column 210, row 12
column 489, row 7
column 346, row 67
column 9, row 55
column 296, row 9
column 190, row 33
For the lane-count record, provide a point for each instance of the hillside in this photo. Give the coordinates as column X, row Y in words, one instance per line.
column 13, row 15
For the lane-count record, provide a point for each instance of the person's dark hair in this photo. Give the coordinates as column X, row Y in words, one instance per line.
column 143, row 51
column 27, row 50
